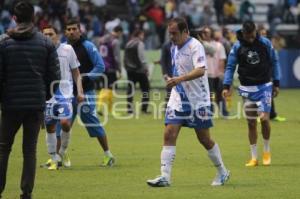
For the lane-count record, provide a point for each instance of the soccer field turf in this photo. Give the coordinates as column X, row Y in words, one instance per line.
column 136, row 144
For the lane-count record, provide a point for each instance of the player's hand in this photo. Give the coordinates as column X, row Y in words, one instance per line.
column 173, row 81
column 80, row 98
column 275, row 91
column 226, row 93
column 166, row 77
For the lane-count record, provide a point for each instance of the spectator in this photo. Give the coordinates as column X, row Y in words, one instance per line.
column 137, row 70
column 247, row 10
column 229, row 10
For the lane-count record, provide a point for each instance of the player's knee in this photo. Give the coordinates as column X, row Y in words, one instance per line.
column 65, row 125
column 252, row 124
column 206, row 142
column 169, row 136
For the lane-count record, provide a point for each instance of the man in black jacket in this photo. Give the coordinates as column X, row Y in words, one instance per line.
column 28, row 65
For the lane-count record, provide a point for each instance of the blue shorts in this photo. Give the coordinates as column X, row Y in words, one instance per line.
column 260, row 95
column 56, row 111
column 197, row 119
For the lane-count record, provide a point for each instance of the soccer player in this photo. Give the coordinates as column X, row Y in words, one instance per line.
column 189, row 103
column 59, row 107
column 258, row 64
column 91, row 65
column 109, row 47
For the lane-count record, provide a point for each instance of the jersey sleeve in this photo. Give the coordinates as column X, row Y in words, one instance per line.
column 73, row 61
column 198, row 57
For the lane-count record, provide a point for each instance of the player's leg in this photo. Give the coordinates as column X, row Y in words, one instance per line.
column 251, row 114
column 31, row 128
column 94, row 128
column 214, row 155
column 51, row 140
column 9, row 126
column 145, row 87
column 132, row 79
column 167, row 156
column 266, row 132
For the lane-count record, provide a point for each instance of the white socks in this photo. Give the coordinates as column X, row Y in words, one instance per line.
column 215, row 156
column 65, row 140
column 108, row 153
column 266, row 145
column 51, row 145
column 253, row 149
column 167, row 158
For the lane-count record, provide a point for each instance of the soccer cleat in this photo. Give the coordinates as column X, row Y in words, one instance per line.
column 66, row 162
column 252, row 163
column 47, row 164
column 266, row 158
column 108, row 161
column 159, row 181
column 53, row 165
column 220, row 179
column 279, row 119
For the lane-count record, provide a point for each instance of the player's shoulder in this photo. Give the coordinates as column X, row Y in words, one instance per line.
column 194, row 44
column 66, row 46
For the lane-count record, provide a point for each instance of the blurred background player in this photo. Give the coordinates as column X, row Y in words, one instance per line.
column 189, row 104
column 137, row 70
column 91, row 66
column 273, row 114
column 109, row 47
column 215, row 56
column 59, row 107
column 257, row 65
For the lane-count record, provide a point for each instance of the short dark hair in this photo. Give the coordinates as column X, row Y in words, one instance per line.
column 49, row 26
column 118, row 29
column 181, row 24
column 73, row 21
column 24, row 11
column 248, row 27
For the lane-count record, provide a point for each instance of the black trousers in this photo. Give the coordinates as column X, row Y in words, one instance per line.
column 216, row 87
column 11, row 121
column 142, row 79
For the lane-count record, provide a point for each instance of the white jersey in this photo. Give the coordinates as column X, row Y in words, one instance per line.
column 68, row 61
column 194, row 94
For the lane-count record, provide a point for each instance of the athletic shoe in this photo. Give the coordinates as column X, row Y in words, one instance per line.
column 252, row 163
column 266, row 158
column 108, row 161
column 53, row 165
column 220, row 179
column 66, row 162
column 47, row 164
column 279, row 119
column 159, row 181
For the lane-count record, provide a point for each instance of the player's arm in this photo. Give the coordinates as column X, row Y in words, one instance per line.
column 276, row 69
column 117, row 54
column 164, row 60
column 194, row 74
column 142, row 57
column 199, row 63
column 96, row 59
column 77, row 78
column 230, row 69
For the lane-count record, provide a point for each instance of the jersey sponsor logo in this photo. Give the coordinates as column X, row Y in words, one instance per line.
column 252, row 57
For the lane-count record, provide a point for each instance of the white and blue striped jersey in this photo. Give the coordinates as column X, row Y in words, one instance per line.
column 68, row 61
column 194, row 94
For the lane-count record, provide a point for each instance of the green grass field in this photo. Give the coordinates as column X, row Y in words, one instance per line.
column 136, row 144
